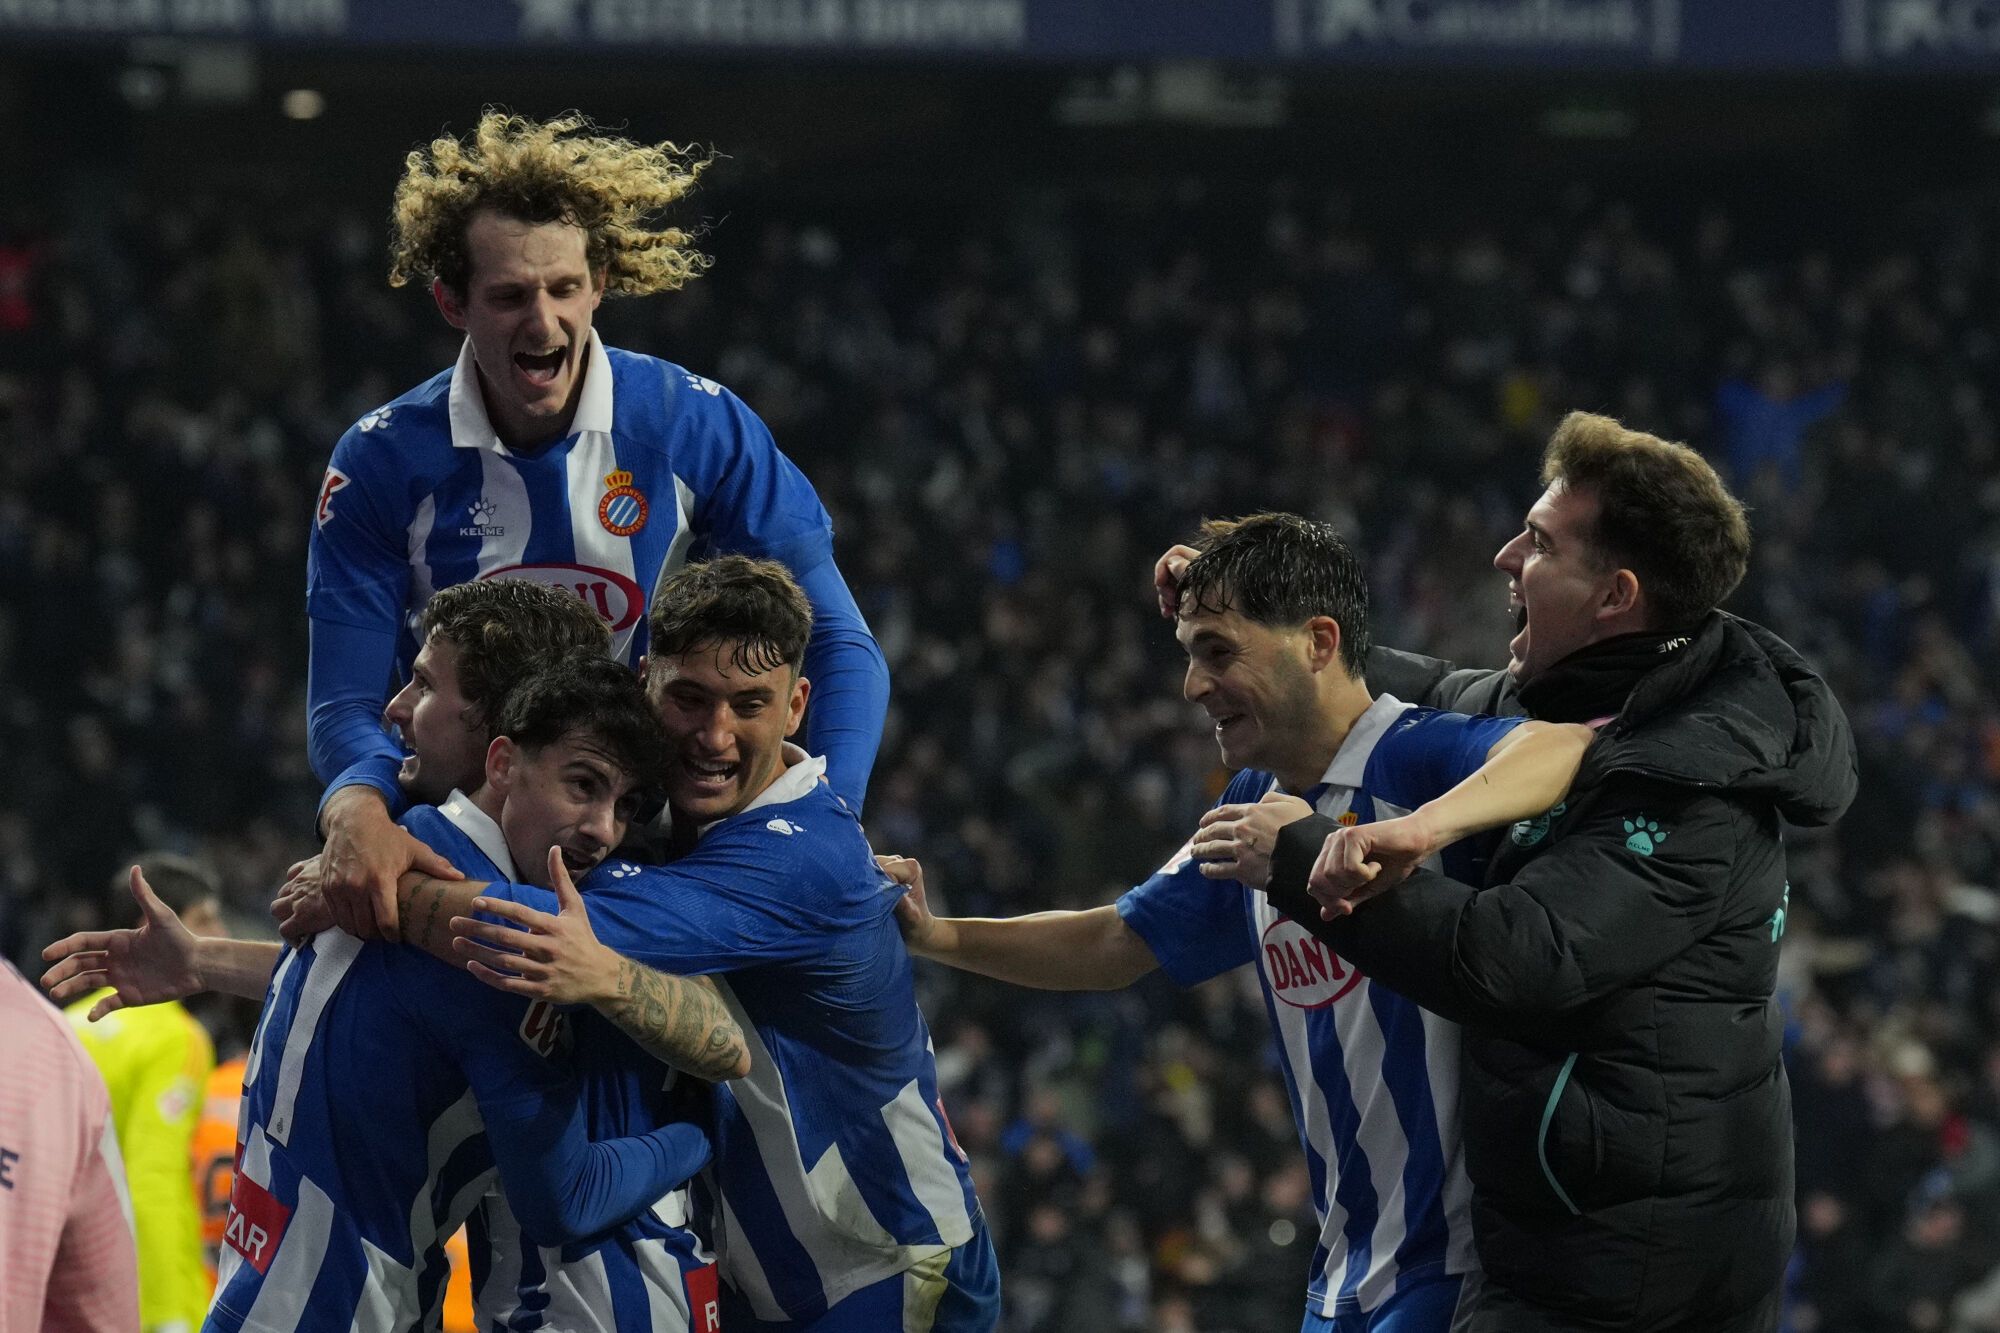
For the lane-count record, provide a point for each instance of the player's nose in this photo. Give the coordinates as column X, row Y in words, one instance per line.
column 1196, row 686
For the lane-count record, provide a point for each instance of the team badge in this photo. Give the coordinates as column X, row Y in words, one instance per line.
column 622, row 511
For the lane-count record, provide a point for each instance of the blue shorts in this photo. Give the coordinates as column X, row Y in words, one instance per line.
column 1427, row 1307
column 956, row 1292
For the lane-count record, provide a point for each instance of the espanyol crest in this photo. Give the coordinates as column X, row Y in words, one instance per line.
column 622, row 511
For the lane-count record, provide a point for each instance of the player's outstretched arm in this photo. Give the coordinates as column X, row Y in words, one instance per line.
column 1527, row 771
column 679, row 1020
column 1092, row 950
column 157, row 961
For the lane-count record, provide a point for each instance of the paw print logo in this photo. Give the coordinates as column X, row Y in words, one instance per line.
column 705, row 385
column 1784, row 910
column 1643, row 835
column 621, row 869
column 379, row 417
column 482, row 509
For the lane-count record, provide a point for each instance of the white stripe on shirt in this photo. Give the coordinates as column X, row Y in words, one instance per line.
column 334, row 951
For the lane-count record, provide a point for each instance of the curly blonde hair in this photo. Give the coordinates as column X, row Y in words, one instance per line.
column 560, row 170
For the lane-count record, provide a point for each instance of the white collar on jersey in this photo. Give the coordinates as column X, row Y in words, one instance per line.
column 801, row 772
column 477, row 825
column 1350, row 761
column 471, row 428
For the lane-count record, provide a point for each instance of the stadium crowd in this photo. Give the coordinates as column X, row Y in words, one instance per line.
column 1008, row 425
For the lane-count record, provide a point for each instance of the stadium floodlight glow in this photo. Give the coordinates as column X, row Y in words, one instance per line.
column 303, row 104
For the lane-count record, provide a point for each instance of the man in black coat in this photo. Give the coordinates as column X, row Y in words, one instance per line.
column 1626, row 1117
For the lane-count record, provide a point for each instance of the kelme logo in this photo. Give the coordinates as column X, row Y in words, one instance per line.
column 1531, row 831
column 1643, row 835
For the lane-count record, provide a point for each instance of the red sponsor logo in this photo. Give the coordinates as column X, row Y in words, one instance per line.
column 704, row 1300
column 1303, row 972
column 614, row 597
column 542, row 1027
column 335, row 480
column 256, row 1223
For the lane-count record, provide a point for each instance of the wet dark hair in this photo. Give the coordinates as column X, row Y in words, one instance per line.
column 181, row 882
column 590, row 699
column 1280, row 570
column 753, row 607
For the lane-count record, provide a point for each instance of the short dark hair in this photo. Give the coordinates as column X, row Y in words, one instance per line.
column 589, row 698
column 1280, row 570
column 1662, row 512
column 181, row 882
column 753, row 606
column 503, row 630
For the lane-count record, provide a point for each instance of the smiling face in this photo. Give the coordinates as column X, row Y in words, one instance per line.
column 1256, row 684
column 527, row 308
column 726, row 727
column 1562, row 595
column 569, row 794
column 447, row 746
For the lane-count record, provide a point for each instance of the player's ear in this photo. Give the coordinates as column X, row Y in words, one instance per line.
column 1323, row 642
column 450, row 304
column 795, row 707
column 500, row 758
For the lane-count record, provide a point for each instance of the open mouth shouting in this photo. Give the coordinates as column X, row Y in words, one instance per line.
column 710, row 778
column 541, row 369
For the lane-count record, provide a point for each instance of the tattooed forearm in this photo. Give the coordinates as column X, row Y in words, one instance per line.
column 426, row 906
column 679, row 1020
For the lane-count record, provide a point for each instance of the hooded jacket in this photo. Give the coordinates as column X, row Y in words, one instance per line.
column 1626, row 1120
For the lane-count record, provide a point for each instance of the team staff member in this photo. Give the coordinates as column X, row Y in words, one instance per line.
column 156, row 1064
column 1627, row 1120
column 544, row 455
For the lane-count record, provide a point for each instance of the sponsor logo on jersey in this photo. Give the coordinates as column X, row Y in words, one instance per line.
column 336, row 480
column 379, row 417
column 256, row 1223
column 623, row 509
column 543, row 1028
column 478, row 515
column 614, row 597
column 1303, row 972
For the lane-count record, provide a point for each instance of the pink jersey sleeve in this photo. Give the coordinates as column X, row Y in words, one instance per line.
column 67, row 1261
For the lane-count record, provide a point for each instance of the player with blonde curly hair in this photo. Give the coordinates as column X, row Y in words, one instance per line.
column 543, row 454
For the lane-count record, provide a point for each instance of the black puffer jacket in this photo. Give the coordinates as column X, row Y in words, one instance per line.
column 1626, row 1120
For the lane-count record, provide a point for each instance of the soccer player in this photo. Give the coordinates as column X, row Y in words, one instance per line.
column 543, row 454
column 341, row 1199
column 156, row 1063
column 1274, row 618
column 67, row 1262
column 842, row 1201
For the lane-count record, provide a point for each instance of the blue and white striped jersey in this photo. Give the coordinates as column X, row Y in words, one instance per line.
column 834, row 1166
column 382, row 1093
column 1373, row 1078
column 662, row 465
column 650, row 1275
